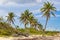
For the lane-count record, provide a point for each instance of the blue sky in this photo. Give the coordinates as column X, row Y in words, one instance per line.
column 18, row 6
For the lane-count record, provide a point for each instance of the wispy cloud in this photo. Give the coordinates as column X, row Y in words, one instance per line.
column 20, row 5
column 57, row 15
column 27, row 3
column 36, row 11
column 38, row 1
column 3, row 12
column 51, row 16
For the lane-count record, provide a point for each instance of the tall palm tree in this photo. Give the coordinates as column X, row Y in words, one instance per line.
column 48, row 9
column 25, row 17
column 10, row 18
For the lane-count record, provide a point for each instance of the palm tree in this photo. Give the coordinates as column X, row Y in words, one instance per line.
column 10, row 18
column 48, row 9
column 31, row 17
column 1, row 19
column 40, row 26
column 25, row 17
column 34, row 23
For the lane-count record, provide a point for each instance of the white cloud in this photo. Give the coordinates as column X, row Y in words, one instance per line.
column 57, row 15
column 38, row 16
column 3, row 13
column 15, row 4
column 2, row 1
column 38, row 1
column 10, row 3
column 28, row 5
column 36, row 11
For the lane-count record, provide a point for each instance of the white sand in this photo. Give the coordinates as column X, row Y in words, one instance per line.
column 4, row 38
column 13, row 38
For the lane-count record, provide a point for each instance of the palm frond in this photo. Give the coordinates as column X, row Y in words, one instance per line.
column 53, row 14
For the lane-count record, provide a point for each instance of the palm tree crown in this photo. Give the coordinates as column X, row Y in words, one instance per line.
column 25, row 17
column 10, row 17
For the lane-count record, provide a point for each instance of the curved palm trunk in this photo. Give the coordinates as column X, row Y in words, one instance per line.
column 14, row 24
column 46, row 23
column 25, row 25
column 10, row 22
column 35, row 26
column 45, row 26
column 31, row 26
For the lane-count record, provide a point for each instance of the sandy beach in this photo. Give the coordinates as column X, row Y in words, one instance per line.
column 31, row 38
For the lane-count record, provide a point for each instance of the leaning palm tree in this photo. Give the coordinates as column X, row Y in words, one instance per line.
column 34, row 23
column 31, row 17
column 25, row 17
column 10, row 18
column 48, row 9
column 39, row 26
